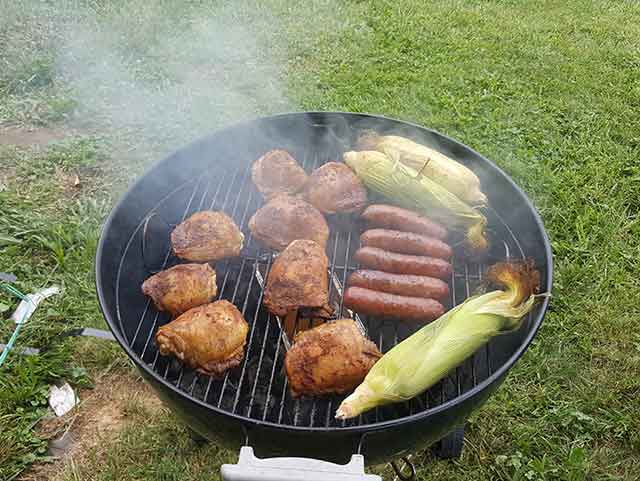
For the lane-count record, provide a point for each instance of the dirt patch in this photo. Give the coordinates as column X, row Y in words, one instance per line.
column 32, row 136
column 103, row 412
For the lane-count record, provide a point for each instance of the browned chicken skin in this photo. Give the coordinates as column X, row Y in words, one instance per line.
column 332, row 358
column 298, row 279
column 334, row 187
column 278, row 172
column 284, row 219
column 207, row 236
column 207, row 338
column 182, row 287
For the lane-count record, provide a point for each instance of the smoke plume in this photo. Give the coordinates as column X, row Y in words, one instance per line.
column 162, row 77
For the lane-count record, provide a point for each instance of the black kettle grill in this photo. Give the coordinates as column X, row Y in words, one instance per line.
column 251, row 405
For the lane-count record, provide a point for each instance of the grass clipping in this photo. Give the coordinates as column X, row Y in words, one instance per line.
column 421, row 360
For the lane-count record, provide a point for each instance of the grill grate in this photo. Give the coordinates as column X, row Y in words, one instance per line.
column 258, row 388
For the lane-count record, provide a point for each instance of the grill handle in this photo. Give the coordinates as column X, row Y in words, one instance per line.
column 251, row 468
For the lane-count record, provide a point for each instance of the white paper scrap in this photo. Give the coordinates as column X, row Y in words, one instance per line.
column 62, row 399
column 28, row 306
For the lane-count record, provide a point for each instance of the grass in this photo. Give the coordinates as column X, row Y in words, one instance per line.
column 549, row 90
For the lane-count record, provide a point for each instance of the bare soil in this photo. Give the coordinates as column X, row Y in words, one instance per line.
column 102, row 413
column 32, row 136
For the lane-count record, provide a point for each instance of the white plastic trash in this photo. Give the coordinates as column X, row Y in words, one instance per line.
column 62, row 399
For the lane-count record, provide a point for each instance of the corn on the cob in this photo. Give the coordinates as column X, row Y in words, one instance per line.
column 453, row 176
column 404, row 186
column 424, row 358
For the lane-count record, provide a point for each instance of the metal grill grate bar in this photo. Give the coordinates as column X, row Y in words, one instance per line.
column 148, row 302
column 261, row 355
column 271, row 378
column 155, row 360
column 200, row 205
column 227, row 271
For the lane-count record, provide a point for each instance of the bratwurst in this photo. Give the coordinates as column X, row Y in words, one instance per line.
column 406, row 243
column 392, row 217
column 401, row 284
column 381, row 260
column 383, row 304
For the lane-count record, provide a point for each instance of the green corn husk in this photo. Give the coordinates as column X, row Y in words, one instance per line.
column 424, row 358
column 404, row 186
column 452, row 175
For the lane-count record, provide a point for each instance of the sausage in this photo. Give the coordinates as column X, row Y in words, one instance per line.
column 401, row 284
column 383, row 304
column 381, row 260
column 406, row 243
column 392, row 217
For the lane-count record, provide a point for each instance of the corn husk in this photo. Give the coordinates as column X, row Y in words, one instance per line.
column 424, row 358
column 453, row 176
column 404, row 186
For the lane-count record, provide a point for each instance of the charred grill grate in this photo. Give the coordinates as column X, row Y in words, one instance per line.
column 257, row 389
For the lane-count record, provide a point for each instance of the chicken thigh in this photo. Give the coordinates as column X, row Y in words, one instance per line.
column 207, row 338
column 278, row 172
column 284, row 219
column 332, row 358
column 207, row 236
column 298, row 279
column 334, row 188
column 182, row 287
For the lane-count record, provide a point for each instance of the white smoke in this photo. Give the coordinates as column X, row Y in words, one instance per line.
column 166, row 81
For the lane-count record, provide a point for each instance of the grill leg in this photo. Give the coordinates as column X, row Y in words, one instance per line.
column 409, row 474
column 450, row 447
column 197, row 438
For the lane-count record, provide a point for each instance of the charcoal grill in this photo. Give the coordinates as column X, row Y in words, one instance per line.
column 251, row 405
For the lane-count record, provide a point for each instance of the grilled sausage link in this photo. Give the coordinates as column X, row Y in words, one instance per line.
column 383, row 304
column 381, row 260
column 406, row 243
column 401, row 284
column 392, row 217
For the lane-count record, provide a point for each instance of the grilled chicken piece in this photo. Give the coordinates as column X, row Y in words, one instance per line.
column 207, row 236
column 298, row 279
column 182, row 287
column 332, row 358
column 207, row 338
column 284, row 219
column 278, row 172
column 334, row 188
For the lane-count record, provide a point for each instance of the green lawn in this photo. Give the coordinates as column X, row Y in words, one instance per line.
column 549, row 90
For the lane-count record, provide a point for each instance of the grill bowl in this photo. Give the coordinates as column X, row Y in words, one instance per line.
column 251, row 404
